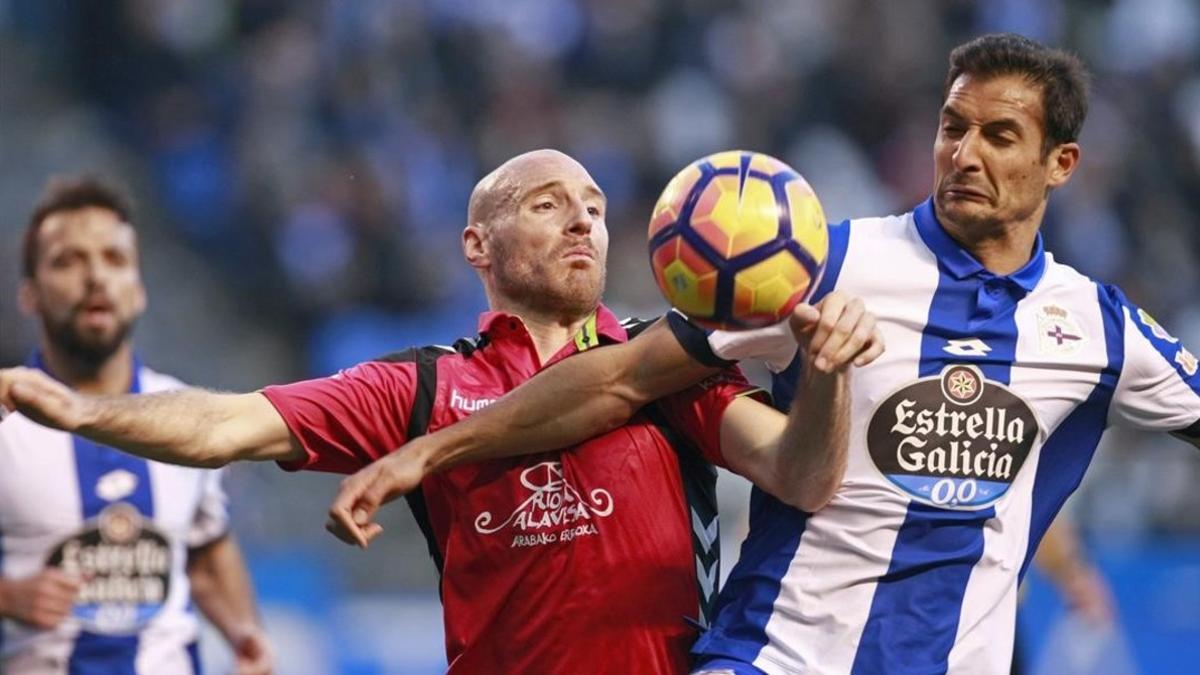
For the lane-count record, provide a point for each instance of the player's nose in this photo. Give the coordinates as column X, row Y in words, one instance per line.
column 966, row 152
column 580, row 222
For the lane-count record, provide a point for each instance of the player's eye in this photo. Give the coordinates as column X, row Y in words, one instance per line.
column 594, row 211
column 1004, row 137
column 65, row 259
column 543, row 205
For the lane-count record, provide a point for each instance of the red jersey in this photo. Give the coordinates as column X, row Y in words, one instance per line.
column 582, row 560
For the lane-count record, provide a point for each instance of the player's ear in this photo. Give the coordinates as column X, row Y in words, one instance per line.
column 1063, row 161
column 475, row 246
column 27, row 297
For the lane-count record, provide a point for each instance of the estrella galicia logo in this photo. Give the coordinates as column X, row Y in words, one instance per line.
column 954, row 440
column 126, row 567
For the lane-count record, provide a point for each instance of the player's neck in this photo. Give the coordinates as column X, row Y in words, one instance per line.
column 111, row 376
column 1003, row 249
column 549, row 332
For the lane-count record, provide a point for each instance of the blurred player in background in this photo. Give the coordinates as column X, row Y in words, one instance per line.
column 1003, row 369
column 1061, row 557
column 597, row 558
column 1080, row 584
column 102, row 554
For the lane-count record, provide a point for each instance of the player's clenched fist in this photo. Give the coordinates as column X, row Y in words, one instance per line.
column 361, row 495
column 41, row 398
column 836, row 332
column 42, row 601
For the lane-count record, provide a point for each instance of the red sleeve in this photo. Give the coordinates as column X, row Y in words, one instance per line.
column 696, row 412
column 349, row 420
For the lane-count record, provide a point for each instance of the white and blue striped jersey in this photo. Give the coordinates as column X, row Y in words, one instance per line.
column 122, row 523
column 967, row 436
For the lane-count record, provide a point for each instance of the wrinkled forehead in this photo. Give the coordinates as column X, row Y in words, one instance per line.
column 996, row 96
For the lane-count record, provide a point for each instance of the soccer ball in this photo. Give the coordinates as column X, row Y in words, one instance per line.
column 737, row 239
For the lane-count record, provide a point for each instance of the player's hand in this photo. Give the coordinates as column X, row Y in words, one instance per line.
column 836, row 332
column 360, row 496
column 42, row 399
column 42, row 601
column 251, row 651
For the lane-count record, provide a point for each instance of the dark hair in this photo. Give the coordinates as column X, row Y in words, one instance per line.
column 70, row 193
column 1060, row 75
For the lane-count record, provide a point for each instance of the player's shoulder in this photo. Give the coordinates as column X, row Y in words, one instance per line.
column 866, row 241
column 1059, row 276
column 869, row 235
column 894, row 224
column 1060, row 273
column 424, row 352
column 154, row 381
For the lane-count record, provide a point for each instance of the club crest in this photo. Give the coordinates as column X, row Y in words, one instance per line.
column 1058, row 332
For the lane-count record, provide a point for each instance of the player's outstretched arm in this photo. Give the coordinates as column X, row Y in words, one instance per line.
column 573, row 400
column 192, row 427
column 801, row 458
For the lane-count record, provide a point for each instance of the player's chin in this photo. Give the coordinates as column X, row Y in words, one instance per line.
column 966, row 209
column 582, row 287
column 97, row 335
column 99, row 343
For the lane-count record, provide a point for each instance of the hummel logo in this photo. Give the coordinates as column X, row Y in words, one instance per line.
column 465, row 404
column 967, row 347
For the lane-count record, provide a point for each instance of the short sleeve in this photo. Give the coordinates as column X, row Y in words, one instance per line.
column 696, row 412
column 350, row 419
column 1159, row 386
column 211, row 520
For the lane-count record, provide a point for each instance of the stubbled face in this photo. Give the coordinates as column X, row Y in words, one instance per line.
column 551, row 247
column 86, row 287
column 988, row 159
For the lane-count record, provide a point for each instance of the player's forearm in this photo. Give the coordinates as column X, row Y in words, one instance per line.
column 572, row 401
column 221, row 586
column 191, row 427
column 813, row 448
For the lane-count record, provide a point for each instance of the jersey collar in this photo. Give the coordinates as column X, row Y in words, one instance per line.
column 601, row 326
column 961, row 264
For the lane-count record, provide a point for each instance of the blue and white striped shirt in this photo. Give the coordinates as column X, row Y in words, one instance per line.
column 121, row 522
column 967, row 436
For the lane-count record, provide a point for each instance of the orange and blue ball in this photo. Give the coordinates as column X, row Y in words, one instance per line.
column 737, row 239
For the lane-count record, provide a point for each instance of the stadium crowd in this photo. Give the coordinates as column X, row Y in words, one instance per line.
column 304, row 166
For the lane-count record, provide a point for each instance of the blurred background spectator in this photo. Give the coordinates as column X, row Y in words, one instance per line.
column 303, row 169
